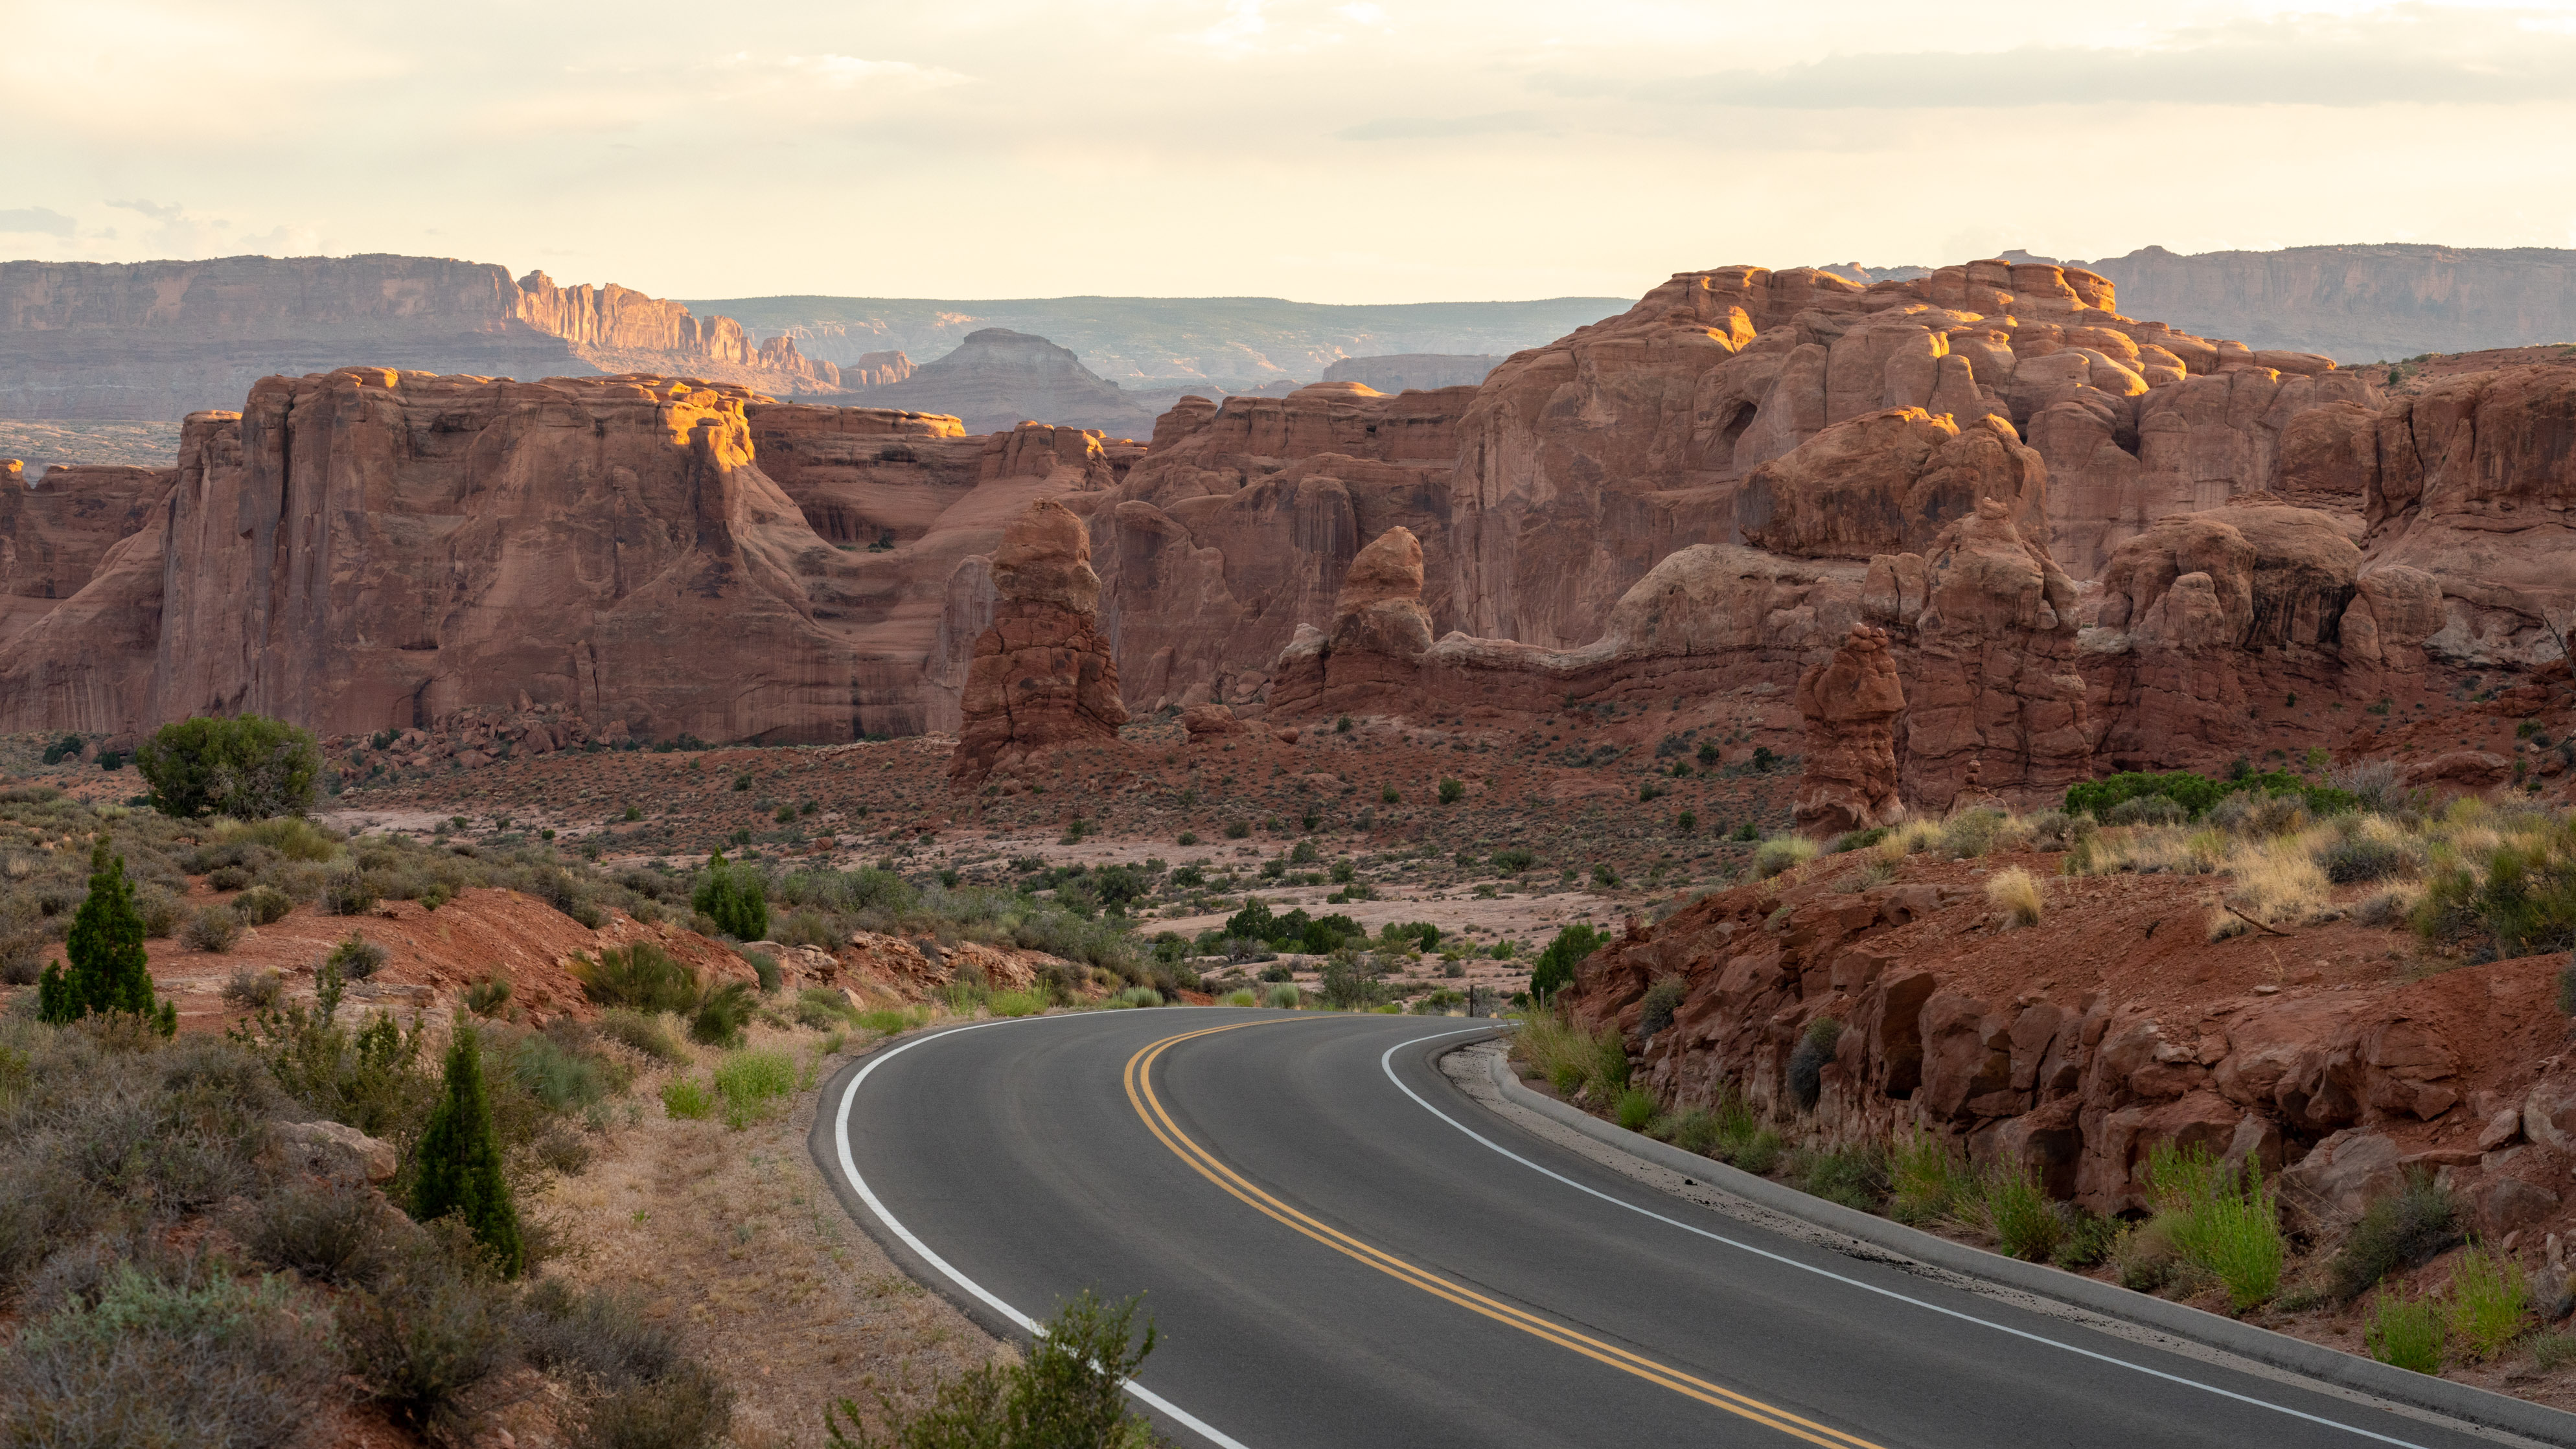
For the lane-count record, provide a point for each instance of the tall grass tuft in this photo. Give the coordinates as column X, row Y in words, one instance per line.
column 2489, row 1297
column 1782, row 853
column 2025, row 1223
column 1635, row 1108
column 2015, row 892
column 2406, row 1333
column 1570, row 1055
column 1016, row 1003
column 2220, row 1219
column 749, row 1081
column 1285, row 996
column 1928, row 1180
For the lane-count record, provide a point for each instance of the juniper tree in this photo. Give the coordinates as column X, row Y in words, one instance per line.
column 109, row 971
column 736, row 900
column 460, row 1160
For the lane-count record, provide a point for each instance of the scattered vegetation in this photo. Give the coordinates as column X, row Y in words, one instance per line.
column 1068, row 1389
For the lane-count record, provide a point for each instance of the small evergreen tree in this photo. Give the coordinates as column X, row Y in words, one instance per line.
column 460, row 1160
column 109, row 971
column 736, row 900
column 250, row 768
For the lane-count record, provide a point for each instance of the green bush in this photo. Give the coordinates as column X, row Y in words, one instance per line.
column 1554, row 969
column 1855, row 1176
column 765, row 967
column 2361, row 859
column 459, row 1169
column 749, row 1080
column 1030, row 1003
column 356, row 957
column 2220, row 1219
column 1807, row 1060
column 1655, row 1011
column 736, row 899
column 642, row 978
column 213, row 929
column 720, row 1018
column 421, row 1343
column 688, row 1099
column 1452, row 791
column 1928, row 1181
column 1635, row 1108
column 2195, row 794
column 1782, row 853
column 2525, row 899
column 1069, row 1390
column 2406, row 1333
column 1285, row 996
column 2412, row 1225
column 2025, row 1223
column 2488, row 1299
column 821, row 1008
column 249, row 767
column 109, row 974
column 489, row 997
column 262, row 905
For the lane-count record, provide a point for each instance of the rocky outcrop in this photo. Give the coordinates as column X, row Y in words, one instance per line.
column 2073, row 1054
column 1241, row 522
column 1889, row 482
column 1372, row 654
column 164, row 339
column 2473, row 483
column 1413, row 371
column 54, row 535
column 1993, row 694
column 1850, row 703
column 998, row 378
column 1042, row 677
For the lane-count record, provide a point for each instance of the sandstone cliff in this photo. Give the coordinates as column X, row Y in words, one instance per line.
column 164, row 339
column 1042, row 677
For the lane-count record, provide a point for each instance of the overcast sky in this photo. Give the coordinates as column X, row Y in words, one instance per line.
column 1316, row 149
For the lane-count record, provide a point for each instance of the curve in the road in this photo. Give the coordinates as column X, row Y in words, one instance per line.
column 1140, row 1094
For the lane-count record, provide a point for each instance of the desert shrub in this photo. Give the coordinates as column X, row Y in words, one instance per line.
column 2406, row 1333
column 350, row 892
column 489, row 996
column 1243, row 996
column 367, row 1078
column 2015, row 892
column 1972, row 833
column 1068, row 1390
column 459, row 1161
column 2412, row 1225
column 686, row 1408
column 2057, row 830
column 2354, row 860
column 595, row 1336
column 2087, row 1240
column 228, row 1362
column 1807, row 1060
column 1634, row 1108
column 820, row 1008
column 1570, row 1055
column 22, row 957
column 262, row 905
column 1284, row 995
column 1017, row 1003
column 1661, row 1001
column 356, row 958
column 1554, row 969
column 1782, row 853
column 2143, row 1258
column 645, row 1034
column 642, row 977
column 749, row 1080
column 290, row 836
column 688, row 1099
column 1854, row 1175
column 250, row 990
column 2488, row 1298
column 560, row 1075
column 720, row 1018
column 1927, row 1180
column 2025, row 1223
column 2524, row 899
column 1139, row 996
column 765, row 967
column 327, row 1230
column 2220, row 1219
column 2195, row 794
column 249, row 767
column 421, row 1343
column 2376, row 786
column 735, row 898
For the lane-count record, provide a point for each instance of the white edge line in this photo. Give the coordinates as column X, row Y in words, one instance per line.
column 1387, row 1065
column 850, row 1169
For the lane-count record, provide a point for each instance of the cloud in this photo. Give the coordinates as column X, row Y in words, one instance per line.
column 2416, row 56
column 1414, row 128
column 34, row 221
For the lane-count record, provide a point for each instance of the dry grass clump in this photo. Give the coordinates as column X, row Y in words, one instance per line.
column 1782, row 853
column 2015, row 892
column 1907, row 839
column 2275, row 881
column 2148, row 850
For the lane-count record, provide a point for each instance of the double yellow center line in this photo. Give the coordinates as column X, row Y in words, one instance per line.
column 1140, row 1094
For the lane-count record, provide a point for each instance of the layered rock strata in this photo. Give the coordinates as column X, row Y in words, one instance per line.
column 1042, row 677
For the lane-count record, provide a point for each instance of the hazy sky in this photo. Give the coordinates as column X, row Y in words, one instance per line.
column 1315, row 149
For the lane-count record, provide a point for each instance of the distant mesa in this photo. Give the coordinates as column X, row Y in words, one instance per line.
column 1419, row 370
column 998, row 378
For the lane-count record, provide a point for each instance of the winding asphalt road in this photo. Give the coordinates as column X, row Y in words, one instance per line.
column 1340, row 1249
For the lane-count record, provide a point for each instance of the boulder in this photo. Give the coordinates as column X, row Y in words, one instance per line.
column 332, row 1149
column 2342, row 1174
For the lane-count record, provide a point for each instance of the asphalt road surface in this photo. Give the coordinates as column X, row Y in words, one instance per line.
column 1340, row 1249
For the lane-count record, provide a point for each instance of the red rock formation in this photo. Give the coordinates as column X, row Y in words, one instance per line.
column 2474, row 480
column 1242, row 519
column 1372, row 654
column 1851, row 703
column 1990, row 677
column 1042, row 677
column 52, row 536
column 1889, row 482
